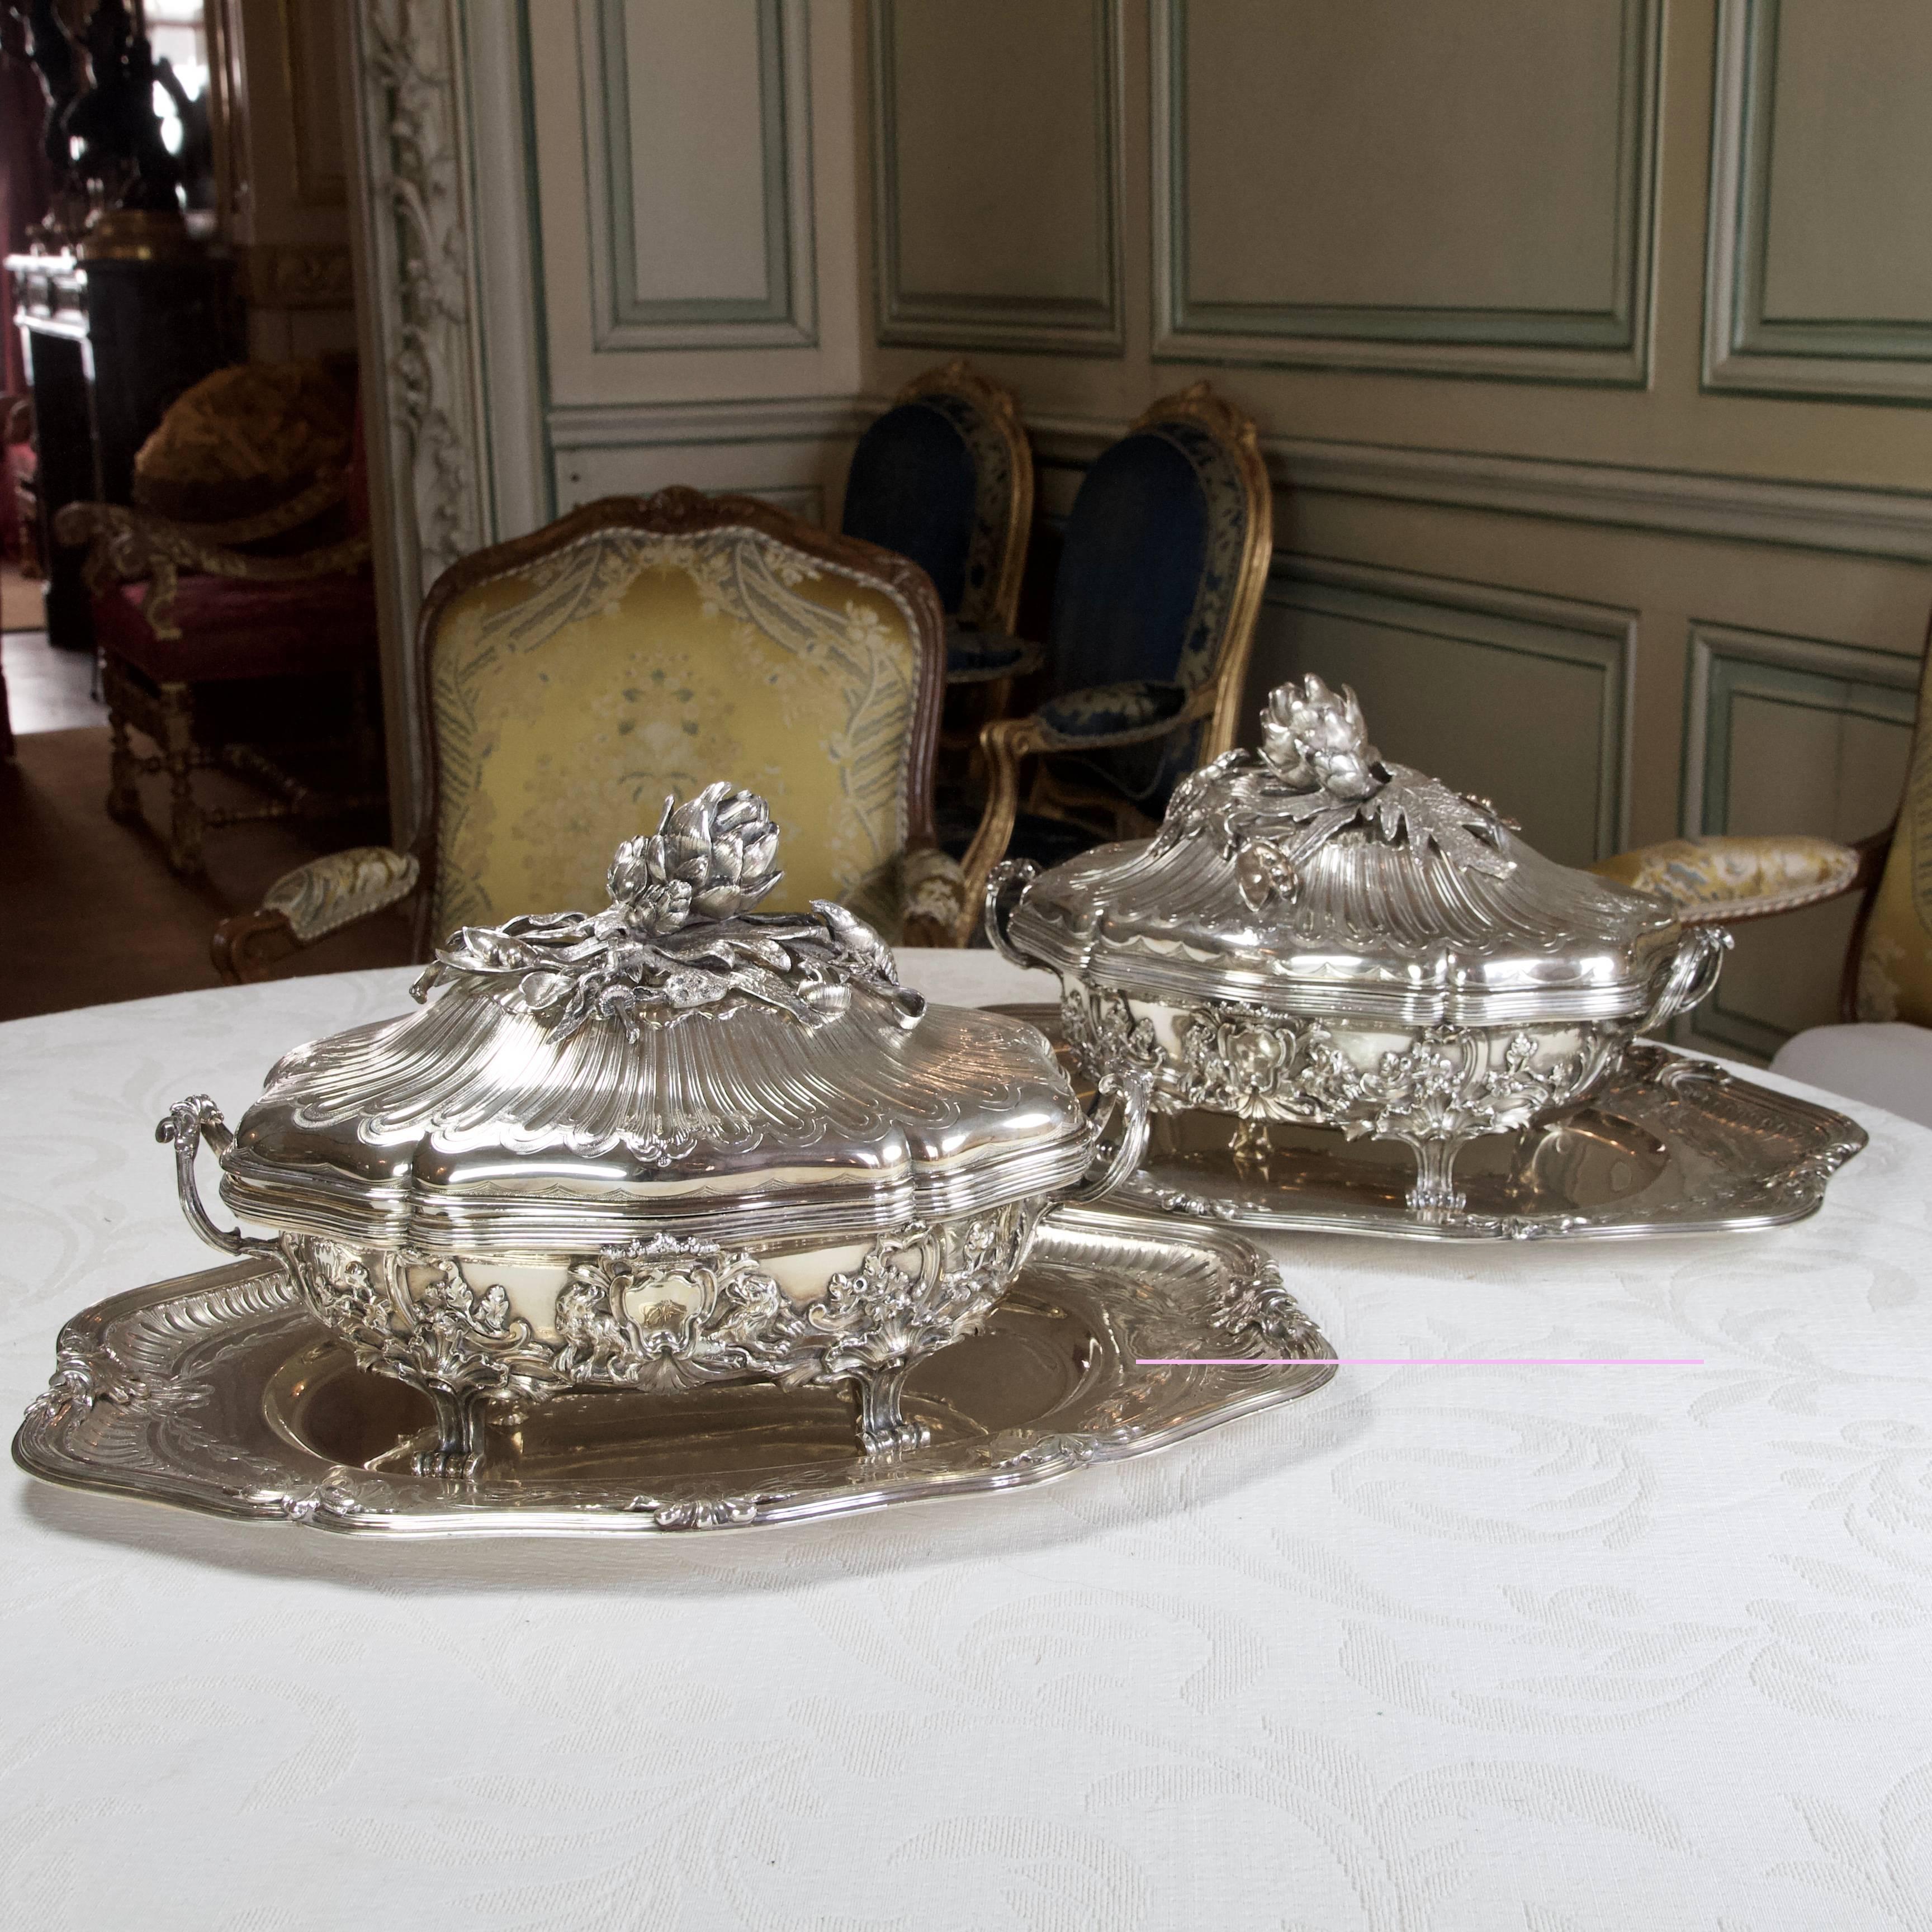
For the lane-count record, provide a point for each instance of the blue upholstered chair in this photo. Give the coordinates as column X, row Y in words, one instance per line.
column 1154, row 606
column 945, row 477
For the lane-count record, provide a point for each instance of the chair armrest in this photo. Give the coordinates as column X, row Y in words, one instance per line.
column 324, row 493
column 985, row 657
column 1136, row 712
column 127, row 545
column 933, row 891
column 1720, row 881
column 306, row 904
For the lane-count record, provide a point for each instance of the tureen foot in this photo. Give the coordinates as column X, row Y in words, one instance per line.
column 884, row 1427
column 460, row 1419
column 1251, row 1147
column 1435, row 1196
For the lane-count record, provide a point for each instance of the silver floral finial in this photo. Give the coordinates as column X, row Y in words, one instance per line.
column 680, row 935
column 1318, row 741
column 1317, row 777
column 714, row 856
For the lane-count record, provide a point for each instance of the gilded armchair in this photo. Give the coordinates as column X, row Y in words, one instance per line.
column 1155, row 601
column 945, row 477
column 1882, row 1051
column 234, row 605
column 640, row 647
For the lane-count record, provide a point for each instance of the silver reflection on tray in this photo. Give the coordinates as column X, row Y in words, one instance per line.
column 215, row 1393
column 676, row 1142
column 1318, row 937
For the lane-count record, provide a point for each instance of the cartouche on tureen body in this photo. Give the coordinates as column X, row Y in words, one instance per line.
column 1317, row 936
column 675, row 1142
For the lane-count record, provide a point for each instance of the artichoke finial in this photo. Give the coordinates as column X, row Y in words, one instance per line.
column 1318, row 741
column 711, row 857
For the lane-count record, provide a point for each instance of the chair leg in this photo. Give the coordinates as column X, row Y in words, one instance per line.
column 185, row 824
column 1005, row 743
column 123, row 800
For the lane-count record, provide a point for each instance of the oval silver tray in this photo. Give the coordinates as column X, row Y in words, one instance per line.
column 217, row 1391
column 1670, row 1144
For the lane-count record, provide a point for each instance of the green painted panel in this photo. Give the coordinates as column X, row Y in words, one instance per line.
column 614, row 238
column 1790, row 735
column 1622, row 326
column 1519, row 699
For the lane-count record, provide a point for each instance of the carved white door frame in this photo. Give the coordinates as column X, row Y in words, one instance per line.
column 446, row 301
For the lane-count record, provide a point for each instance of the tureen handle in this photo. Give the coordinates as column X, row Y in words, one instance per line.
column 1010, row 872
column 1700, row 956
column 189, row 1123
column 1132, row 1093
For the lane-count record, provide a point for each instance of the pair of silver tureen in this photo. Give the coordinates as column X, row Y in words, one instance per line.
column 681, row 1142
column 674, row 1142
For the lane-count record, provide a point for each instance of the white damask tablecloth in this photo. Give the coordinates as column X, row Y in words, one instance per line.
column 1561, row 1649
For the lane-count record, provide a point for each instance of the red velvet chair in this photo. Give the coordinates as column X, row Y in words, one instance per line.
column 243, row 641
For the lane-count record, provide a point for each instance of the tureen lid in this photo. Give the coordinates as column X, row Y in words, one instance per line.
column 677, row 1060
column 1314, row 877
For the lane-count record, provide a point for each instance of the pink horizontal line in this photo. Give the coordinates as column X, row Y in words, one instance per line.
column 1420, row 1361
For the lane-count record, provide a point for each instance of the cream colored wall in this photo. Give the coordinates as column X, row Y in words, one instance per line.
column 1608, row 487
column 288, row 217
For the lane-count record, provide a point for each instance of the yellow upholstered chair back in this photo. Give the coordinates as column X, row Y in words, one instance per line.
column 641, row 648
column 1893, row 951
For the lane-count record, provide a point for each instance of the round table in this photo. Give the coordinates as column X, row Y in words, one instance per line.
column 1467, row 1647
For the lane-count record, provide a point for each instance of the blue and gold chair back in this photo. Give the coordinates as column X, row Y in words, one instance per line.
column 945, row 477
column 1159, row 586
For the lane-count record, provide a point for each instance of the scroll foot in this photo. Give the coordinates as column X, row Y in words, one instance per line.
column 459, row 1420
column 884, row 1427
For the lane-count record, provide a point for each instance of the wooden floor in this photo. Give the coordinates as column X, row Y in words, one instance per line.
column 89, row 911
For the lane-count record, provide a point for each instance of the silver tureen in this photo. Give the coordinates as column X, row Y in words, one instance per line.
column 1318, row 936
column 674, row 1142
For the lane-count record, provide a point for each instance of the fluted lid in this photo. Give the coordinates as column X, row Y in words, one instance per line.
column 677, row 1059
column 1314, row 877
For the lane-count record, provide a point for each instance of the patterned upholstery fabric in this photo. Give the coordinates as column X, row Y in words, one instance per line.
column 1715, row 880
column 244, row 438
column 1894, row 977
column 1146, row 583
column 328, row 893
column 569, row 696
column 932, row 479
column 1110, row 710
column 911, row 489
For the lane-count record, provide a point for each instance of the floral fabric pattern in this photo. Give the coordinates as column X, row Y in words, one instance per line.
column 571, row 697
column 1107, row 711
column 1716, row 880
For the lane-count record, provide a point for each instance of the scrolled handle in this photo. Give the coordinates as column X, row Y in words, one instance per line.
column 188, row 1124
column 1694, row 972
column 1132, row 1094
column 1008, row 873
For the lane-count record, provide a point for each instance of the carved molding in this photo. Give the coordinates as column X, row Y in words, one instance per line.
column 412, row 116
column 422, row 327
